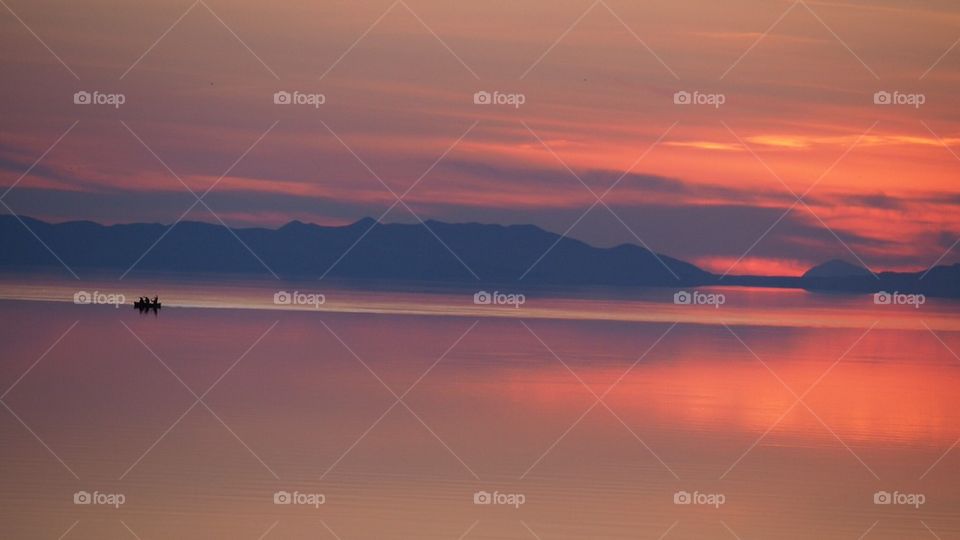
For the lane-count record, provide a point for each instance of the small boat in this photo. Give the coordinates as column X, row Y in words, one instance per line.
column 142, row 306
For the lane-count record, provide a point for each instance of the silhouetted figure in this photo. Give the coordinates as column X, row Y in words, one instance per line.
column 144, row 303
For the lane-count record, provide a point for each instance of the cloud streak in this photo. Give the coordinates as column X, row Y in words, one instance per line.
column 598, row 99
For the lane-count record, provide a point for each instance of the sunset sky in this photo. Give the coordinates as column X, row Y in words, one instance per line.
column 712, row 185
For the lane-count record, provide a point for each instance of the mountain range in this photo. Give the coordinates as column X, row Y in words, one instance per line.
column 434, row 252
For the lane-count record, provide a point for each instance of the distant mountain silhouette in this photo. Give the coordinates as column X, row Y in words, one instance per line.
column 938, row 281
column 495, row 253
column 838, row 275
column 404, row 252
column 836, row 268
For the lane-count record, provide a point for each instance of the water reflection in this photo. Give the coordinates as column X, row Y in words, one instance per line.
column 305, row 409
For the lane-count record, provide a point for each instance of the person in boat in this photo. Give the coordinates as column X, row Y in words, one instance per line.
column 156, row 300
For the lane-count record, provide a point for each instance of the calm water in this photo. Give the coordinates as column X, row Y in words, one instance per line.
column 499, row 399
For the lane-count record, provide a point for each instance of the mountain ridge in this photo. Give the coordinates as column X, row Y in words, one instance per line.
column 836, row 268
column 438, row 251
